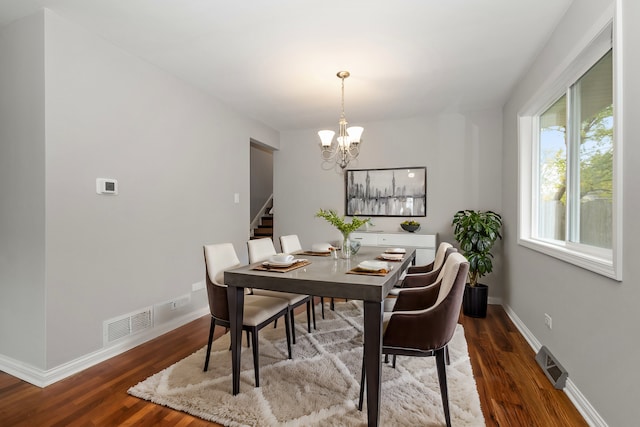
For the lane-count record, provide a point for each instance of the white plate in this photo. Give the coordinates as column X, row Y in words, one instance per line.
column 373, row 265
column 279, row 264
column 283, row 264
column 396, row 251
column 393, row 257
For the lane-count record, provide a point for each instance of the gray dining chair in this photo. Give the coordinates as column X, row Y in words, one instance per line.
column 258, row 311
column 422, row 327
column 261, row 250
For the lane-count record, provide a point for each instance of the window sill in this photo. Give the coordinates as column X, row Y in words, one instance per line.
column 599, row 265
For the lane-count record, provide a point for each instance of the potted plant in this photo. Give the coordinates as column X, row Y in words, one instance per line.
column 346, row 228
column 476, row 232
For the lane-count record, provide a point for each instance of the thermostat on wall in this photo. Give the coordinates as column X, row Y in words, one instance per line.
column 106, row 186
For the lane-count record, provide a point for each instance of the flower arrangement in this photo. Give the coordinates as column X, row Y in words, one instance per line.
column 339, row 222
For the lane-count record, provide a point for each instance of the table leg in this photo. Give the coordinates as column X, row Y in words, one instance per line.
column 235, row 297
column 372, row 356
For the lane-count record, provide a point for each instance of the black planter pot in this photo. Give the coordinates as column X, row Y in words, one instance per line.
column 474, row 301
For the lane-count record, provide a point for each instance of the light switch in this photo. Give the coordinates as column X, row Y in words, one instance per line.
column 236, row 198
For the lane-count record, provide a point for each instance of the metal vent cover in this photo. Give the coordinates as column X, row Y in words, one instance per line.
column 128, row 324
column 552, row 368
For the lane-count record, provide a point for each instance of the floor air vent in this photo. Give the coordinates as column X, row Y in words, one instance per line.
column 552, row 368
column 123, row 326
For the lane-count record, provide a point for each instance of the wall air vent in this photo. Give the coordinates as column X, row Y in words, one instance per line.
column 552, row 368
column 123, row 326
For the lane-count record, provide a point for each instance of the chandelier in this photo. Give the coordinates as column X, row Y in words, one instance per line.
column 347, row 145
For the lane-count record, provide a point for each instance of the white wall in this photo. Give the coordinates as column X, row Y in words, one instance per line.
column 179, row 157
column 22, row 210
column 595, row 328
column 462, row 153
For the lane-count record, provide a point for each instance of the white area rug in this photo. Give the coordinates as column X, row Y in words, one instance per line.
column 320, row 386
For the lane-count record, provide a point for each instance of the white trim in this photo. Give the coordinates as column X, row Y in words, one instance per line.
column 618, row 138
column 578, row 399
column 606, row 32
column 44, row 377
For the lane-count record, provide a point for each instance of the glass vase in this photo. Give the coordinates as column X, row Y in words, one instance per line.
column 346, row 246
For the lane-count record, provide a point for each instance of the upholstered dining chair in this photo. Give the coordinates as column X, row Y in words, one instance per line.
column 426, row 278
column 262, row 250
column 258, row 312
column 421, row 327
column 291, row 244
column 437, row 262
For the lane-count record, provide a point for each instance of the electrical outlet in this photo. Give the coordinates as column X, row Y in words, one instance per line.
column 197, row 286
column 180, row 302
column 547, row 320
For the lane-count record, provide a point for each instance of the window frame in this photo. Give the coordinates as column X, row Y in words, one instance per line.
column 607, row 262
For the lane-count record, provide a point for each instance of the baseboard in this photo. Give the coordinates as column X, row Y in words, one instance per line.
column 581, row 403
column 42, row 378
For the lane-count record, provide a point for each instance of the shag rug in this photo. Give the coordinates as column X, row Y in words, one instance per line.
column 320, row 385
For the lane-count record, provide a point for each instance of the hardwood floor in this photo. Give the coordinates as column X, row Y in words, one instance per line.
column 513, row 390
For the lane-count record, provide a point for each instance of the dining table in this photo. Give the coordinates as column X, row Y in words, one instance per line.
column 325, row 276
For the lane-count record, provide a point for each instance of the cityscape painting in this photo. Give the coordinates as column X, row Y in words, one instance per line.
column 386, row 192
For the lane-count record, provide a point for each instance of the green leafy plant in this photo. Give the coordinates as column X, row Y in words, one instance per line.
column 476, row 232
column 339, row 221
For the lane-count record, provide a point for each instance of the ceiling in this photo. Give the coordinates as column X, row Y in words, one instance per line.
column 276, row 60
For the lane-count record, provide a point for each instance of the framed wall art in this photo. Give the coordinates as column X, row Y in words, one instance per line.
column 386, row 192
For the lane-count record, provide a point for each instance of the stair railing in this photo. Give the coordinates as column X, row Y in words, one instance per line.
column 256, row 220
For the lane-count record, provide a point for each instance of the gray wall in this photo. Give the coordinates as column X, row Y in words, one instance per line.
column 22, row 186
column 594, row 318
column 179, row 157
column 462, row 153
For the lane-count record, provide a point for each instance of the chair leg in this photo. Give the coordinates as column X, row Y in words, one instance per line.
column 393, row 364
column 442, row 379
column 287, row 327
column 446, row 355
column 332, row 306
column 362, row 382
column 256, row 360
column 309, row 315
column 211, row 329
column 293, row 324
column 313, row 311
column 322, row 305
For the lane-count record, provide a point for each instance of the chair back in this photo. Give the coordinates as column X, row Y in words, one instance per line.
column 431, row 328
column 441, row 254
column 260, row 249
column 449, row 302
column 290, row 244
column 217, row 259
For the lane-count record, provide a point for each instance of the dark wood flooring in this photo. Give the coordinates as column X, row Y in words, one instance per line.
column 513, row 390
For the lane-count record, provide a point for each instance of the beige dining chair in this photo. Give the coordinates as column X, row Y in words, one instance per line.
column 437, row 262
column 261, row 250
column 420, row 327
column 258, row 311
column 291, row 244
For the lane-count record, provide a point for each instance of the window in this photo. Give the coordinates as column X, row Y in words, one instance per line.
column 568, row 193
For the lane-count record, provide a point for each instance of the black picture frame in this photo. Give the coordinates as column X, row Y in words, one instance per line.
column 386, row 192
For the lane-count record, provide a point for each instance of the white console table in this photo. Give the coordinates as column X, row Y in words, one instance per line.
column 425, row 244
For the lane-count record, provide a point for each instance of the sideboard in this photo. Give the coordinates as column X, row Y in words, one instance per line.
column 425, row 244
